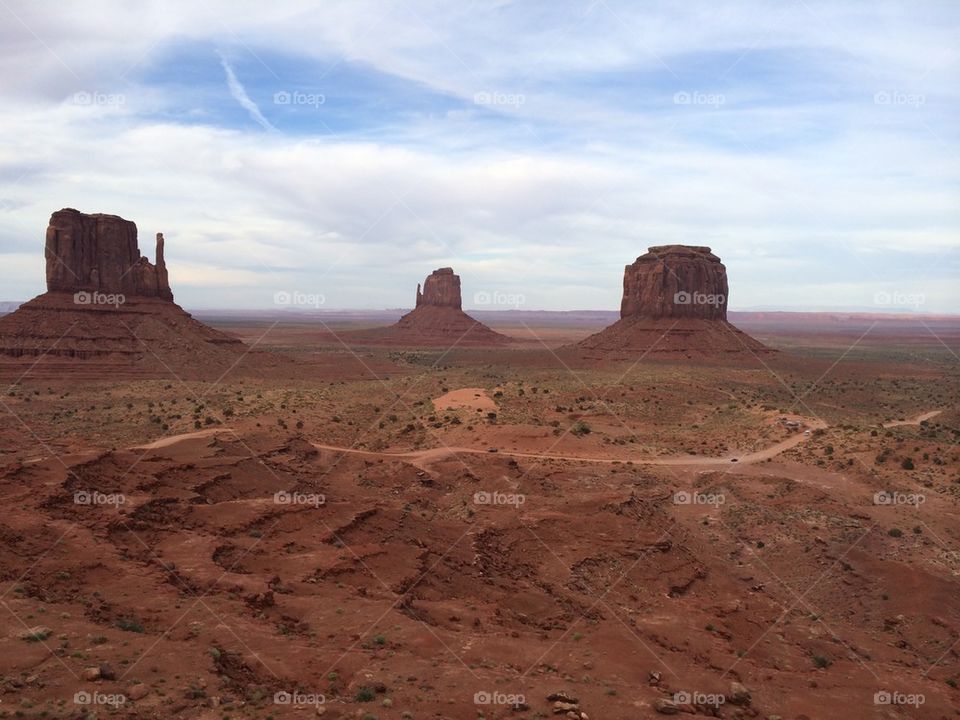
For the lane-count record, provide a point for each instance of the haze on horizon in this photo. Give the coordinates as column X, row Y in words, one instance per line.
column 347, row 150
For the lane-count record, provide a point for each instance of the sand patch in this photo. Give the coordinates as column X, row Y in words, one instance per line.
column 465, row 398
column 174, row 439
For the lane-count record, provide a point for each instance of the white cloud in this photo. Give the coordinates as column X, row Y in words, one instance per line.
column 595, row 180
column 239, row 93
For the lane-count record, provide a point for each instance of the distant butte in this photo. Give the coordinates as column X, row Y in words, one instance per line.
column 674, row 301
column 440, row 289
column 437, row 320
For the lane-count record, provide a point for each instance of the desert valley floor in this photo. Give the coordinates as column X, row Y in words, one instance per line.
column 464, row 533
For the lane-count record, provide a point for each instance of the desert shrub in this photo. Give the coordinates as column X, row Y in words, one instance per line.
column 365, row 694
column 580, row 428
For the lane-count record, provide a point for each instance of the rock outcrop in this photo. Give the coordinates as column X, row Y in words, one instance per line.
column 440, row 289
column 437, row 320
column 108, row 310
column 675, row 281
column 99, row 253
column 674, row 302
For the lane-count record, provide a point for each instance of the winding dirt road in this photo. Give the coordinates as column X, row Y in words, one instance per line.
column 914, row 421
column 425, row 457
column 419, row 457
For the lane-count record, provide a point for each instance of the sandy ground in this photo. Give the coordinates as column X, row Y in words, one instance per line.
column 348, row 537
column 469, row 398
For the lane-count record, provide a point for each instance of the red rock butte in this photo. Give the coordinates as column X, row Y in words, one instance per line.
column 437, row 320
column 674, row 301
column 99, row 253
column 108, row 304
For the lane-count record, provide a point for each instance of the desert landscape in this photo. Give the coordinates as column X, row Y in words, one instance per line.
column 421, row 360
column 665, row 517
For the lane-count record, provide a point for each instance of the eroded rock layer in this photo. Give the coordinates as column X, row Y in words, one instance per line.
column 437, row 319
column 100, row 253
column 674, row 302
column 675, row 281
column 107, row 306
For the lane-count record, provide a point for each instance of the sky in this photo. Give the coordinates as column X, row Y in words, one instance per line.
column 332, row 154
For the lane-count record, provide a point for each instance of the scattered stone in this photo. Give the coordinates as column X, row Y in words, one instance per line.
column 138, row 691
column 562, row 696
column 739, row 694
column 91, row 673
column 38, row 632
column 666, row 707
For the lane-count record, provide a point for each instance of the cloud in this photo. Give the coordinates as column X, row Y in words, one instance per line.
column 239, row 93
column 798, row 173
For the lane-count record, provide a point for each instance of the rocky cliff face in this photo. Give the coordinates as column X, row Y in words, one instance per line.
column 674, row 303
column 440, row 289
column 675, row 281
column 135, row 329
column 99, row 253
